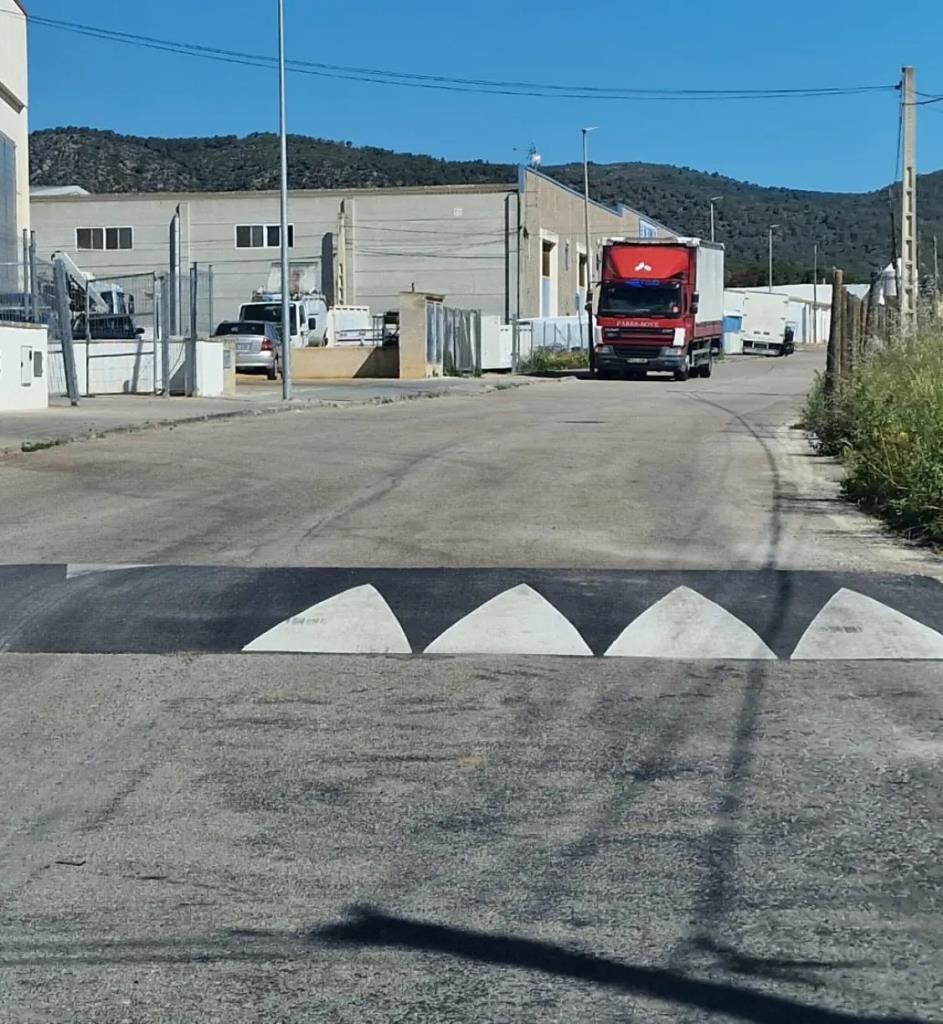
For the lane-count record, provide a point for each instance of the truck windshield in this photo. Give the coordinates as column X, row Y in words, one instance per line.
column 271, row 312
column 623, row 298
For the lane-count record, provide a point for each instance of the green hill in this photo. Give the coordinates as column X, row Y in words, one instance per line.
column 853, row 230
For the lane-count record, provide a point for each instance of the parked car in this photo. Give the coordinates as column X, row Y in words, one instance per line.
column 258, row 345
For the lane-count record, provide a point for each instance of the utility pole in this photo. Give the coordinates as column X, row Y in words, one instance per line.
column 936, row 273
column 772, row 228
column 908, row 201
column 815, row 294
column 283, row 208
column 589, row 251
column 713, row 199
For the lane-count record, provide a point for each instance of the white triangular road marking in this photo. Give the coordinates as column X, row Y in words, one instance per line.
column 77, row 569
column 854, row 627
column 517, row 621
column 684, row 624
column 357, row 621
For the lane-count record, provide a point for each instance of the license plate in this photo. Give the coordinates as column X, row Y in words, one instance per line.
column 636, row 360
column 244, row 346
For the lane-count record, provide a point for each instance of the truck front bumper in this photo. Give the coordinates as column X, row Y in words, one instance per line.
column 611, row 359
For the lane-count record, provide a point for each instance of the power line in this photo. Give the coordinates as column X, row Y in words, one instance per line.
column 379, row 76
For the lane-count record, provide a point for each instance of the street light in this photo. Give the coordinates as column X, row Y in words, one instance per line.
column 713, row 199
column 772, row 228
column 589, row 252
column 283, row 208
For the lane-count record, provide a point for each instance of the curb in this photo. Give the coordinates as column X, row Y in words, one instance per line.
column 295, row 405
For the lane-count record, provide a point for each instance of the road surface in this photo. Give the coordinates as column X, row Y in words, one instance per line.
column 590, row 735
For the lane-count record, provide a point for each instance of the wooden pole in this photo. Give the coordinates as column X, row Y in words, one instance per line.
column 833, row 352
column 908, row 196
column 863, row 318
column 848, row 336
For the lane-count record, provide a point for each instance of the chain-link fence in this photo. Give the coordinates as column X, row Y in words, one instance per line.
column 30, row 295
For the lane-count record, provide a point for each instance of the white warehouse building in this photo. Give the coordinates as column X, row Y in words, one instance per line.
column 507, row 249
column 14, row 142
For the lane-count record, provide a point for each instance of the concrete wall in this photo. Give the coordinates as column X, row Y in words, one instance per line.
column 553, row 213
column 23, row 367
column 130, row 367
column 449, row 238
column 344, row 363
column 448, row 243
column 13, row 124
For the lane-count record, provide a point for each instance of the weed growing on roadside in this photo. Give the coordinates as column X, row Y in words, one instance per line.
column 886, row 424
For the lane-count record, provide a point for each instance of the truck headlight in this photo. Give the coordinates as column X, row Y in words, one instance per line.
column 604, row 350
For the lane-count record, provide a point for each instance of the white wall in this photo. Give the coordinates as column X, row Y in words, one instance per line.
column 129, row 368
column 22, row 374
column 14, row 112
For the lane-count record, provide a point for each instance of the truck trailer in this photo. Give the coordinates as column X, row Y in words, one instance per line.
column 765, row 330
column 659, row 308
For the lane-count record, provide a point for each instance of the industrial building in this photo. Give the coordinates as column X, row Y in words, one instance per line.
column 506, row 249
column 14, row 142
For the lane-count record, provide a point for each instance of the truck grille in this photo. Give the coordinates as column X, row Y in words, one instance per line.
column 637, row 351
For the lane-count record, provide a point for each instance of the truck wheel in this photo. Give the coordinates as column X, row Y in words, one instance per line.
column 706, row 369
column 684, row 371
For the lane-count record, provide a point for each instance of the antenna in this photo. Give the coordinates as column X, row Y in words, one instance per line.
column 533, row 156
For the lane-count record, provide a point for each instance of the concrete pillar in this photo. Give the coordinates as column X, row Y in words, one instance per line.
column 413, row 364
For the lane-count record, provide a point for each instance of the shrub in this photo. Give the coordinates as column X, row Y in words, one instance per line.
column 887, row 425
column 542, row 360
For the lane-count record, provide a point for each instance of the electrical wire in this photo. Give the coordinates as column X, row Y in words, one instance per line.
column 379, row 76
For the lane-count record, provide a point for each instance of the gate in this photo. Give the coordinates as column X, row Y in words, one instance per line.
column 453, row 339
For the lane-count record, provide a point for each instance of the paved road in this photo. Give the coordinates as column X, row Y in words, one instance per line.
column 488, row 837
column 543, row 839
column 581, row 474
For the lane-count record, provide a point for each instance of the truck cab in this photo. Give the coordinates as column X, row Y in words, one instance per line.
column 649, row 315
column 307, row 316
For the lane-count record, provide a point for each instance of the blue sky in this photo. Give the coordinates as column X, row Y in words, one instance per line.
column 845, row 144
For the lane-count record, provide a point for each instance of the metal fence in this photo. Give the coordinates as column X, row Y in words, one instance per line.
column 191, row 302
column 109, row 333
column 558, row 333
column 453, row 338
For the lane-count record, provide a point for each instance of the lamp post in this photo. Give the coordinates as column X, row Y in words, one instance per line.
column 772, row 228
column 713, row 199
column 589, row 251
column 283, row 208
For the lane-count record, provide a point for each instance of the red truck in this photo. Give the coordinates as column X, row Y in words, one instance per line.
column 659, row 308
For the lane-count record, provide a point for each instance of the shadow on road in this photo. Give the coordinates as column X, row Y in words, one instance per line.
column 369, row 927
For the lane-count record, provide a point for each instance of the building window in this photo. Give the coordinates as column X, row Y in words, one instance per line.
column 581, row 272
column 9, row 241
column 546, row 266
column 262, row 236
column 548, row 277
column 101, row 239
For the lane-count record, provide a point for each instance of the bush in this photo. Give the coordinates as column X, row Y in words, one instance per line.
column 542, row 360
column 887, row 425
